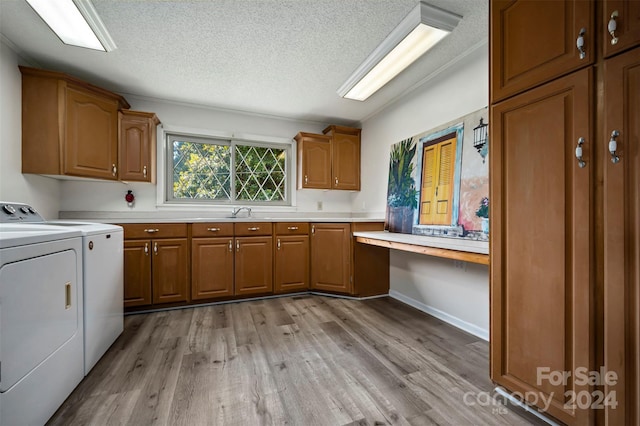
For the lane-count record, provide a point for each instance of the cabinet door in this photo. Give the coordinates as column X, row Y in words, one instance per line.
column 91, row 128
column 137, row 273
column 626, row 17
column 535, row 41
column 292, row 263
column 314, row 159
column 254, row 265
column 211, row 268
column 345, row 153
column 136, row 152
column 331, row 257
column 170, row 270
column 541, row 271
column 622, row 236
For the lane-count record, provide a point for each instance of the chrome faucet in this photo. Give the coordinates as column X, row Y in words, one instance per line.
column 235, row 211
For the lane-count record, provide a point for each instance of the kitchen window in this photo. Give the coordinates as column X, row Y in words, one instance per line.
column 206, row 170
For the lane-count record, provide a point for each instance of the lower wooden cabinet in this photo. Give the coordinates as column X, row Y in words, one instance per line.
column 211, row 268
column 253, row 265
column 170, row 271
column 331, row 257
column 291, row 263
column 137, row 273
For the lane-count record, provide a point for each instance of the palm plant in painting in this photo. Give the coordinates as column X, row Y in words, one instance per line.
column 402, row 197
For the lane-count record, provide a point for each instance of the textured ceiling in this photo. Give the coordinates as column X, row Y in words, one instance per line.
column 279, row 57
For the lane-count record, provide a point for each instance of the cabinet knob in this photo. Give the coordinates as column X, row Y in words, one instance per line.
column 336, row 180
column 213, row 229
column 613, row 147
column 612, row 26
column 144, row 171
column 292, row 228
column 580, row 43
column 146, row 249
column 230, row 245
column 114, row 170
column 278, row 243
column 237, row 245
column 313, row 229
column 151, row 230
column 253, row 228
column 155, row 248
column 306, row 179
column 581, row 162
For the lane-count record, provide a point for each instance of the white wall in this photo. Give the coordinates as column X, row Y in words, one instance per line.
column 109, row 196
column 40, row 192
column 456, row 295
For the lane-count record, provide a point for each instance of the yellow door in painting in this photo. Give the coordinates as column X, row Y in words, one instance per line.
column 437, row 183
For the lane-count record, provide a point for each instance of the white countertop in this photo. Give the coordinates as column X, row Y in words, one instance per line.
column 459, row 244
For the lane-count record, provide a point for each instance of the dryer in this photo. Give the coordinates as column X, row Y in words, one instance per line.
column 41, row 317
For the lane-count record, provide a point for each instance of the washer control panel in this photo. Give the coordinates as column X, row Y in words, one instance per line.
column 18, row 212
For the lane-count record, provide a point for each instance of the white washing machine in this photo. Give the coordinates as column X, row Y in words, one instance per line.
column 41, row 316
column 103, row 266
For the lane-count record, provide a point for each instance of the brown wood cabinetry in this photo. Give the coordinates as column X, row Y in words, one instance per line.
column 535, row 41
column 69, row 127
column 291, row 264
column 622, row 235
column 329, row 161
column 370, row 264
column 314, row 161
column 331, row 257
column 565, row 285
column 211, row 267
column 345, row 157
column 137, row 146
column 254, row 265
column 156, row 264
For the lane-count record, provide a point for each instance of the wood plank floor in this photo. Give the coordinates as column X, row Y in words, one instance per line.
column 297, row 360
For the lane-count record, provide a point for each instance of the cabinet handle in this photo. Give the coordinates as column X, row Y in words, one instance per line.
column 278, row 243
column 612, row 27
column 146, row 249
column 155, row 248
column 114, row 169
column 230, row 245
column 144, row 171
column 213, row 229
column 151, row 230
column 237, row 245
column 336, row 180
column 292, row 228
column 580, row 43
column 67, row 295
column 306, row 179
column 253, row 228
column 613, row 147
column 581, row 162
column 313, row 229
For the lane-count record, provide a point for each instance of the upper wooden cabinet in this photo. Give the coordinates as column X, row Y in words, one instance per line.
column 69, row 127
column 137, row 148
column 329, row 161
column 345, row 157
column 534, row 41
column 624, row 15
column 314, row 161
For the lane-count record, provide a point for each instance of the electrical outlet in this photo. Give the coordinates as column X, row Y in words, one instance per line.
column 459, row 264
column 319, row 205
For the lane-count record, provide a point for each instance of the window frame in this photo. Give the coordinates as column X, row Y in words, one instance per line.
column 165, row 174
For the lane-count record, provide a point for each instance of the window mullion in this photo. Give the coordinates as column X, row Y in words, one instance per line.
column 232, row 172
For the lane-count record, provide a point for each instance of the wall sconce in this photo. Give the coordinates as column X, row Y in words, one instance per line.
column 480, row 133
column 418, row 32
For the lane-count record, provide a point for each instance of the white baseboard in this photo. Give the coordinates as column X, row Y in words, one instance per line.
column 441, row 315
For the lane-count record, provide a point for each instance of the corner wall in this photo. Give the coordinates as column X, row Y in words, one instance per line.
column 40, row 192
column 459, row 295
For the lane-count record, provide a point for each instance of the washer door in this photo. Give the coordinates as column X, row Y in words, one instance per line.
column 39, row 312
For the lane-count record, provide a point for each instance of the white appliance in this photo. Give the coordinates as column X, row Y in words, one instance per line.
column 103, row 266
column 41, row 316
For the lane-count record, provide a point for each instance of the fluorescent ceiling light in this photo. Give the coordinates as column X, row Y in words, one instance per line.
column 418, row 32
column 75, row 22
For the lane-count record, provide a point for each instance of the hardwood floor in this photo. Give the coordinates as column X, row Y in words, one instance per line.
column 297, row 360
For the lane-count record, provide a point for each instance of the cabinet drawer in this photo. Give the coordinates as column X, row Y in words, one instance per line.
column 252, row 228
column 292, row 228
column 212, row 229
column 154, row 230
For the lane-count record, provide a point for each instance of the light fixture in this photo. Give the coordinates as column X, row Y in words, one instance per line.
column 480, row 139
column 75, row 22
column 418, row 32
